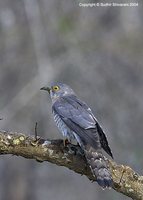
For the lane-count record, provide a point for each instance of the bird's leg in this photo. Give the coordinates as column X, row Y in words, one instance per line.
column 66, row 142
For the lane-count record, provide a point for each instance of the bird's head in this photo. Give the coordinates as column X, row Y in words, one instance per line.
column 57, row 90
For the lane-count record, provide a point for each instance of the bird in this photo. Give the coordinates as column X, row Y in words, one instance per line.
column 76, row 121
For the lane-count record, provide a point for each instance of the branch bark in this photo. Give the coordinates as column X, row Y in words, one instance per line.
column 125, row 180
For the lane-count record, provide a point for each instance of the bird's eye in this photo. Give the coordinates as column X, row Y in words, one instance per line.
column 56, row 88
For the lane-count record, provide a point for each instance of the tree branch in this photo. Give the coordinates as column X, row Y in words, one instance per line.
column 125, row 179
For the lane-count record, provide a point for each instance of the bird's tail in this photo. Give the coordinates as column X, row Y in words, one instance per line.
column 98, row 166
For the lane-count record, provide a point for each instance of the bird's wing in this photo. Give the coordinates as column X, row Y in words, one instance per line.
column 78, row 117
column 68, row 107
column 78, row 120
column 103, row 139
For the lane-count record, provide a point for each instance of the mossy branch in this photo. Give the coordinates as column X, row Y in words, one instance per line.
column 125, row 180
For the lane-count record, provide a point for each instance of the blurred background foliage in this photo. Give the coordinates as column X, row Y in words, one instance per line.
column 99, row 53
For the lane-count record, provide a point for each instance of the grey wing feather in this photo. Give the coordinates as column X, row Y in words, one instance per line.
column 103, row 139
column 85, row 136
column 72, row 109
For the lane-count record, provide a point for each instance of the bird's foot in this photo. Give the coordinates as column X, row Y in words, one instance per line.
column 36, row 142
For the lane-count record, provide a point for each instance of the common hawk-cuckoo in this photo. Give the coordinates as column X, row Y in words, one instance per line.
column 75, row 120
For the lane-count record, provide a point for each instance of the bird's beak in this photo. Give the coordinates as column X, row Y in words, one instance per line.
column 46, row 88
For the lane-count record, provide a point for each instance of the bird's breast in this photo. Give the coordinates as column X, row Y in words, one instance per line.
column 63, row 128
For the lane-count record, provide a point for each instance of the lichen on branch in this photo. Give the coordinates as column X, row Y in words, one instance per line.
column 125, row 180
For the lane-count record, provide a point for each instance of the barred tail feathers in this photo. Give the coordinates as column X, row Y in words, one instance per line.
column 98, row 166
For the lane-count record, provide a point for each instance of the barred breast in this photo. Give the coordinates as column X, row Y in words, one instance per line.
column 63, row 127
